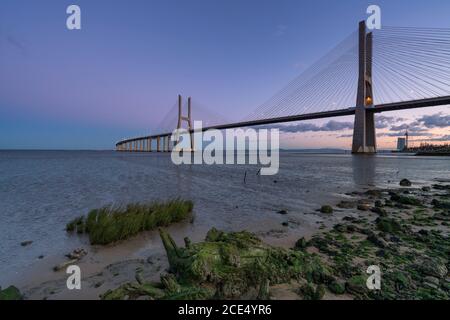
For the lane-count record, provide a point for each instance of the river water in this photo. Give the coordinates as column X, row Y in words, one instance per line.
column 40, row 191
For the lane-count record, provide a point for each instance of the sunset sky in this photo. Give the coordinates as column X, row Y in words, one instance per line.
column 120, row 75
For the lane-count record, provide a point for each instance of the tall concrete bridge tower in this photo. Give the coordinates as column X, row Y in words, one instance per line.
column 188, row 119
column 364, row 138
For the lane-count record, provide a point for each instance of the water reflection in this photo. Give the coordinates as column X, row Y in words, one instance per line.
column 364, row 168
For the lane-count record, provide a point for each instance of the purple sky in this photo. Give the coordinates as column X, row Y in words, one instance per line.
column 120, row 74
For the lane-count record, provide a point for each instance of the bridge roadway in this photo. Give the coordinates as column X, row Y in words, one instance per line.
column 422, row 103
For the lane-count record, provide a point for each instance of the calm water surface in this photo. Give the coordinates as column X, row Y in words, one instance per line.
column 40, row 191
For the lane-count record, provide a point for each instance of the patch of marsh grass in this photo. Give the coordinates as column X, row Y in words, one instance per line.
column 111, row 224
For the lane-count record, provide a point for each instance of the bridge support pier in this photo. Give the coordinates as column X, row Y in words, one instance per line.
column 188, row 119
column 364, row 136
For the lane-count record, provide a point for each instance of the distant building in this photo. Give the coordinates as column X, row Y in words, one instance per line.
column 401, row 144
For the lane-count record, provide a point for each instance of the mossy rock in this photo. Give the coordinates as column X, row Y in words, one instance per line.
column 388, row 225
column 406, row 200
column 326, row 209
column 301, row 244
column 400, row 280
column 357, row 284
column 236, row 263
column 405, row 183
column 363, row 207
column 337, row 287
column 432, row 267
column 310, row 292
column 380, row 211
column 10, row 293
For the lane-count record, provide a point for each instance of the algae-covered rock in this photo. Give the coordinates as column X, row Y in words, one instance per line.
column 363, row 207
column 301, row 244
column 405, row 183
column 337, row 287
column 346, row 204
column 405, row 200
column 310, row 292
column 357, row 284
column 432, row 267
column 133, row 291
column 235, row 263
column 388, row 225
column 380, row 211
column 326, row 209
column 10, row 293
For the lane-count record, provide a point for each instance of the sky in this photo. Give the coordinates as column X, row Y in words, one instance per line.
column 121, row 73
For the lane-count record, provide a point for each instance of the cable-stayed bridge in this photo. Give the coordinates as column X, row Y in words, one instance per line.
column 394, row 68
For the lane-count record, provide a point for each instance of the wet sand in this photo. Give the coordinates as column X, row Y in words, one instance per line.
column 107, row 267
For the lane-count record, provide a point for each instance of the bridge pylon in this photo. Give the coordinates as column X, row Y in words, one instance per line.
column 364, row 137
column 187, row 118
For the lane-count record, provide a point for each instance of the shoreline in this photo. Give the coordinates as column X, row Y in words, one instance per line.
column 104, row 268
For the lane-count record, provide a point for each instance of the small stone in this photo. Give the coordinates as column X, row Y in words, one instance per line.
column 381, row 253
column 77, row 254
column 285, row 224
column 426, row 189
column 405, row 183
column 41, row 257
column 283, row 212
column 363, row 207
column 64, row 265
column 378, row 241
column 26, row 243
column 380, row 211
column 431, row 282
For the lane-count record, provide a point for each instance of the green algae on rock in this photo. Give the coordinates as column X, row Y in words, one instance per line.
column 225, row 266
column 10, row 293
column 236, row 262
column 326, row 209
column 411, row 250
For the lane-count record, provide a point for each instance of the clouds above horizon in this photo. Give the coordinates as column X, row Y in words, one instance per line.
column 395, row 126
column 437, row 120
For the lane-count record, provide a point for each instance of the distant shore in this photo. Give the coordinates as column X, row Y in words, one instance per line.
column 433, row 154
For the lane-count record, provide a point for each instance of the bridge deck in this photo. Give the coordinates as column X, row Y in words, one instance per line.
column 432, row 102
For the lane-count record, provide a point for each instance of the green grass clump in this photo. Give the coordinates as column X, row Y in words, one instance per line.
column 111, row 224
